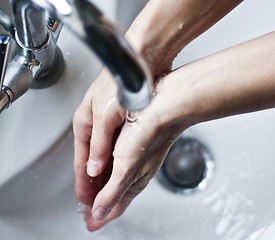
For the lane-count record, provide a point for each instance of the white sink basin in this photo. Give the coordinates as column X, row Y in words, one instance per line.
column 36, row 175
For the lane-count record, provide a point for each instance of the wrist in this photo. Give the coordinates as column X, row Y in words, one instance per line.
column 173, row 107
column 164, row 28
column 154, row 54
column 152, row 36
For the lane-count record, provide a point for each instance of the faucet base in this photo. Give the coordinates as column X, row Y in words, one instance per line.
column 52, row 77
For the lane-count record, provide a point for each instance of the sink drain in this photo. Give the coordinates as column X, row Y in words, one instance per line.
column 188, row 167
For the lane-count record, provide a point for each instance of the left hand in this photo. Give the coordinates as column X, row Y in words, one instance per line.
column 95, row 123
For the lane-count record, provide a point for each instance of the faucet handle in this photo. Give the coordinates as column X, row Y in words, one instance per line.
column 5, row 43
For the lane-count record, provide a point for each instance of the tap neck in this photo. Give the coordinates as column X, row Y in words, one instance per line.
column 30, row 23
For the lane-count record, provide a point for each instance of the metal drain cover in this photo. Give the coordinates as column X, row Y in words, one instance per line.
column 188, row 166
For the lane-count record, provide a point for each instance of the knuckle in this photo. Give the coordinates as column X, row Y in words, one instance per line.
column 82, row 119
column 80, row 167
column 112, row 202
column 134, row 191
column 99, row 150
column 98, row 153
column 123, row 174
column 84, row 198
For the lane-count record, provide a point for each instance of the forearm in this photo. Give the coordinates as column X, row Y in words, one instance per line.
column 237, row 80
column 164, row 27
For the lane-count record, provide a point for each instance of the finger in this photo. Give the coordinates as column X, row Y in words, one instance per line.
column 122, row 177
column 105, row 123
column 111, row 194
column 118, row 210
column 82, row 125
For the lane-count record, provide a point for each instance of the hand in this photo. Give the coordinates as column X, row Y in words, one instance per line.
column 138, row 154
column 95, row 122
column 99, row 115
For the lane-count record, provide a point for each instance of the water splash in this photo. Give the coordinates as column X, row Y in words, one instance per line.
column 81, row 207
column 233, row 211
column 266, row 233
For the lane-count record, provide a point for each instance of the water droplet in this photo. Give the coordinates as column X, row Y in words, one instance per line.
column 131, row 117
column 180, row 26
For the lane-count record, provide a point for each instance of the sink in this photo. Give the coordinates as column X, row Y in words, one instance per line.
column 37, row 198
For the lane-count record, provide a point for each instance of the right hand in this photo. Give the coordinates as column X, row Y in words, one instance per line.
column 138, row 154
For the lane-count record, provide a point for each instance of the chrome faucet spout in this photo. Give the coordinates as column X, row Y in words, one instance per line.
column 36, row 29
column 107, row 41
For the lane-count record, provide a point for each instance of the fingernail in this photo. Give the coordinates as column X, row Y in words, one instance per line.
column 92, row 167
column 100, row 213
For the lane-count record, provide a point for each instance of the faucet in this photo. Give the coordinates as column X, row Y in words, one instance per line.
column 38, row 62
